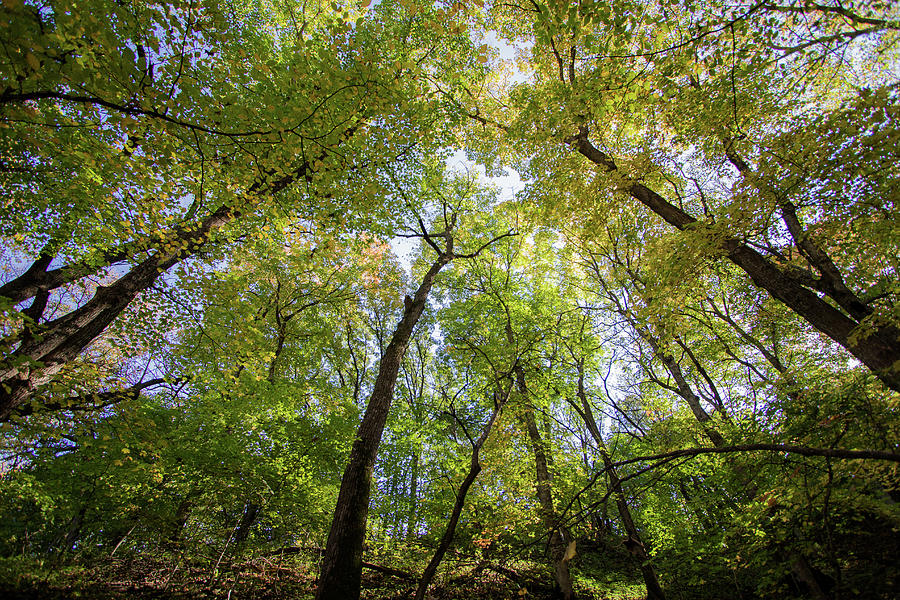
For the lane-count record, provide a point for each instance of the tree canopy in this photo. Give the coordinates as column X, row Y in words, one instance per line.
column 265, row 333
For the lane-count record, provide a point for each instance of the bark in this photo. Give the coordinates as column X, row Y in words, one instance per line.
column 831, row 281
column 73, row 531
column 42, row 354
column 450, row 531
column 63, row 339
column 558, row 541
column 634, row 543
column 804, row 573
column 38, row 279
column 182, row 514
column 342, row 563
column 251, row 514
column 685, row 390
column 122, row 537
column 879, row 351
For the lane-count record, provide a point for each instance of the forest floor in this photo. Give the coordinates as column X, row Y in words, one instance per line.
column 281, row 578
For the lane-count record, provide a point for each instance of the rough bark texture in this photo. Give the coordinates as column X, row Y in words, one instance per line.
column 879, row 351
column 342, row 563
column 63, row 339
column 450, row 531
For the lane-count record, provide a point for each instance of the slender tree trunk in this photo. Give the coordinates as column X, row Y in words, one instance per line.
column 342, row 562
column 802, row 570
column 412, row 517
column 879, row 351
column 558, row 542
column 122, row 537
column 634, row 544
column 450, row 531
column 684, row 389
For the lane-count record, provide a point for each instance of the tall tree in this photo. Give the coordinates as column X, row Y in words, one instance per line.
column 156, row 153
column 342, row 562
column 596, row 89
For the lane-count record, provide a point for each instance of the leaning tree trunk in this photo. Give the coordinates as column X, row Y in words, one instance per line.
column 342, row 562
column 634, row 544
column 43, row 349
column 879, row 351
column 182, row 514
column 450, row 531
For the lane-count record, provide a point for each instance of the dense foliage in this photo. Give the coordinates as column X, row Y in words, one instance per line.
column 262, row 332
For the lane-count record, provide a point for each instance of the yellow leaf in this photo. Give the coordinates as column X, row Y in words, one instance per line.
column 570, row 552
column 32, row 61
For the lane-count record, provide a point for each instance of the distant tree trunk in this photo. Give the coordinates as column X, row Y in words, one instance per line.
column 342, row 562
column 685, row 390
column 251, row 514
column 412, row 517
column 72, row 533
column 558, row 542
column 450, row 531
column 120, row 539
column 634, row 543
column 182, row 514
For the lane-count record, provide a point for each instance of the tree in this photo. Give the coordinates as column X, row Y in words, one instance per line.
column 342, row 562
column 598, row 80
column 687, row 315
column 303, row 121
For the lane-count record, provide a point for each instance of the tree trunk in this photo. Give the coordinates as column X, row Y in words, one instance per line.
column 62, row 340
column 182, row 514
column 879, row 351
column 45, row 349
column 804, row 573
column 412, row 517
column 251, row 514
column 450, row 531
column 73, row 532
column 558, row 542
column 342, row 563
column 634, row 544
column 684, row 388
